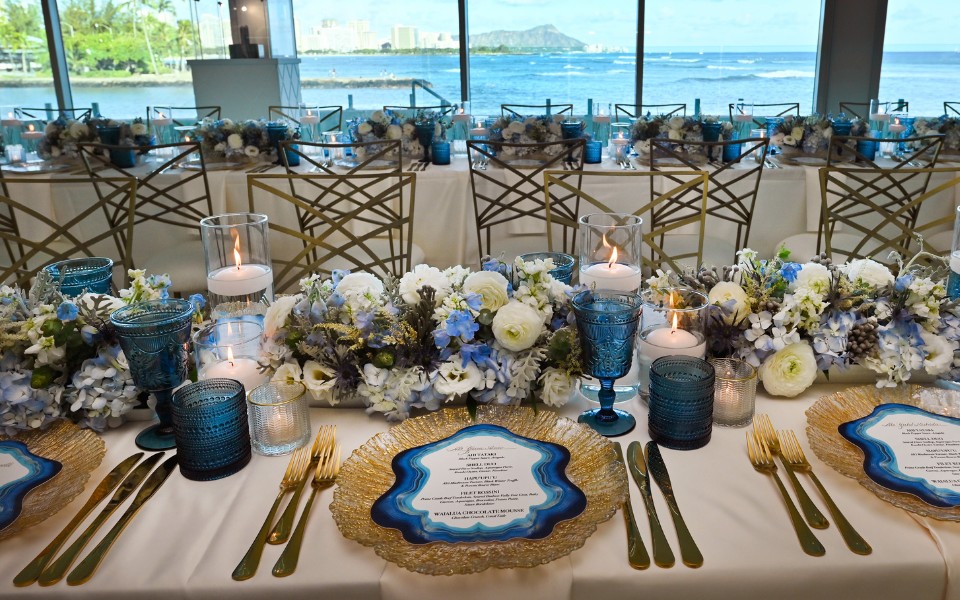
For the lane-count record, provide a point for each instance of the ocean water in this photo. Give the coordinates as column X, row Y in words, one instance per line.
column 926, row 79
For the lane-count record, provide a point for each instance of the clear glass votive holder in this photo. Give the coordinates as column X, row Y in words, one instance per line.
column 563, row 264
column 228, row 349
column 681, row 402
column 279, row 418
column 671, row 324
column 953, row 281
column 78, row 275
column 210, row 425
column 236, row 248
column 758, row 154
column 734, row 392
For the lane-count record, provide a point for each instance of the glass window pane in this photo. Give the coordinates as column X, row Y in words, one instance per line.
column 529, row 52
column 721, row 51
column 380, row 53
column 921, row 55
column 25, row 78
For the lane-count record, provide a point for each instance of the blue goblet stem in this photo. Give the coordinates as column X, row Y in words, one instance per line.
column 606, row 396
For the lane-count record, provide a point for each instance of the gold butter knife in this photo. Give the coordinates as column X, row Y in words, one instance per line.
column 31, row 572
column 662, row 554
column 636, row 551
column 55, row 571
column 689, row 552
column 88, row 565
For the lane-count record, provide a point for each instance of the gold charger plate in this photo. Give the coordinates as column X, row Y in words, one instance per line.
column 80, row 451
column 851, row 404
column 368, row 474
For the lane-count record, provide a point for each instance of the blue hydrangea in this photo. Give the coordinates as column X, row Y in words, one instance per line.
column 903, row 282
column 198, row 302
column 67, row 311
column 478, row 353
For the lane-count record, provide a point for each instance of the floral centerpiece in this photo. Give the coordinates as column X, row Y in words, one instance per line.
column 676, row 129
column 810, row 135
column 245, row 140
column 59, row 357
column 792, row 320
column 394, row 125
column 427, row 338
column 61, row 136
column 948, row 126
column 528, row 130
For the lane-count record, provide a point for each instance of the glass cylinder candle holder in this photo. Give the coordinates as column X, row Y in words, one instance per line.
column 460, row 132
column 734, row 392
column 672, row 324
column 772, row 123
column 279, row 418
column 228, row 349
column 610, row 251
column 237, row 253
column 601, row 129
column 78, row 275
column 210, row 425
column 743, row 119
column 10, row 124
column 879, row 119
column 681, row 402
column 953, row 281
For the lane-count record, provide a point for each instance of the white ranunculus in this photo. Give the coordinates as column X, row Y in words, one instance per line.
column 358, row 284
column 813, row 276
column 420, row 276
column 252, row 151
column 939, row 351
column 78, row 130
column 676, row 123
column 235, row 141
column 454, row 379
column 317, row 378
column 491, row 286
column 517, row 326
column 725, row 291
column 864, row 271
column 289, row 373
column 789, row 371
column 557, row 386
column 394, row 132
column 277, row 314
column 364, row 128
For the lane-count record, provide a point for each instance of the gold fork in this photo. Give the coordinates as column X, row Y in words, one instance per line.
column 764, row 428
column 323, row 441
column 794, row 456
column 325, row 476
column 296, row 473
column 762, row 461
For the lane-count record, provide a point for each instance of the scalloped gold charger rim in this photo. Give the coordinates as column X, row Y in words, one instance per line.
column 368, row 473
column 829, row 412
column 79, row 450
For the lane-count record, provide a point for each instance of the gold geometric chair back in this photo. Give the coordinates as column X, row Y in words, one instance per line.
column 734, row 185
column 82, row 226
column 329, row 118
column 919, row 151
column 360, row 222
column 411, row 111
column 774, row 109
column 526, row 110
column 860, row 109
column 951, row 107
column 183, row 116
column 42, row 116
column 666, row 211
column 867, row 213
column 508, row 189
column 635, row 111
column 348, row 157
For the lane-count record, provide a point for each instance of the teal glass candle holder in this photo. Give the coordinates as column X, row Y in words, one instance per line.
column 78, row 275
column 441, row 153
column 210, row 425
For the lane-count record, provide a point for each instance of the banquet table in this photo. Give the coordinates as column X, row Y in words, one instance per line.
column 189, row 537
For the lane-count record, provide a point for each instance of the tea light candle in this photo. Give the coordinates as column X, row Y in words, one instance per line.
column 310, row 118
column 239, row 280
column 479, row 132
column 13, row 153
column 162, row 121
column 896, row 127
column 30, row 134
column 612, row 276
column 242, row 369
column 879, row 117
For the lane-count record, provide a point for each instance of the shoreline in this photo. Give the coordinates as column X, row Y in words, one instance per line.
column 178, row 80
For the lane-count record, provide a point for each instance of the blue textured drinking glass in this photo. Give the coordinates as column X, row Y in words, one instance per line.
column 210, row 425
column 425, row 133
column 78, row 275
column 563, row 264
column 607, row 323
column 681, row 402
column 441, row 153
column 868, row 148
column 593, row 153
column 155, row 338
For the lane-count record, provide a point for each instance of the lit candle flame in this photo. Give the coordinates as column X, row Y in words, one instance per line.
column 236, row 247
column 186, row 138
column 674, row 328
column 30, row 127
column 9, row 115
column 162, row 116
column 230, row 355
column 897, row 120
column 614, row 253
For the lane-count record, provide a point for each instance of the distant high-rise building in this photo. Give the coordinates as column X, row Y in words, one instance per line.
column 403, row 37
column 429, row 39
column 328, row 23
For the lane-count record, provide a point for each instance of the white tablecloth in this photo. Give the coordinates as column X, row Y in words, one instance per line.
column 189, row 537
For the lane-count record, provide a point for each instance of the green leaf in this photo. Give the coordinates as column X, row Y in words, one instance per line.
column 42, row 377
column 472, row 408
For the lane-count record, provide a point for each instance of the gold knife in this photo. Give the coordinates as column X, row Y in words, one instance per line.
column 662, row 554
column 31, row 572
column 88, row 565
column 689, row 552
column 636, row 551
column 55, row 571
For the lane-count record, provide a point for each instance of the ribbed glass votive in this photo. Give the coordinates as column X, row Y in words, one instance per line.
column 77, row 275
column 681, row 402
column 279, row 418
column 734, row 392
column 210, row 424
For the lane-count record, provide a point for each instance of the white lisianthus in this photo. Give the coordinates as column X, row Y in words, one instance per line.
column 491, row 286
column 867, row 272
column 394, row 132
column 364, row 128
column 420, row 276
column 317, row 378
column 289, row 373
column 557, row 386
column 725, row 291
column 359, row 284
column 789, row 371
column 813, row 276
column 939, row 358
column 517, row 326
column 235, row 141
column 277, row 314
column 252, row 151
column 454, row 379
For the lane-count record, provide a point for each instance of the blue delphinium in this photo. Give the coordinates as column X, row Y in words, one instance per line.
column 67, row 311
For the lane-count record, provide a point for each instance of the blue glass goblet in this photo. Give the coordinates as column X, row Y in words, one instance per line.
column 425, row 133
column 155, row 338
column 607, row 323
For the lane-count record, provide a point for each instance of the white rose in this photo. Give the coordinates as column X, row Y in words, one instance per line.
column 380, row 117
column 289, row 373
column 277, row 314
column 939, row 358
column 725, row 291
column 394, row 132
column 789, row 371
column 252, row 151
column 557, row 386
column 517, row 326
column 138, row 129
column 454, row 379
column 813, row 276
column 491, row 286
column 317, row 378
column 864, row 271
column 358, row 284
column 420, row 276
column 676, row 123
column 364, row 128
column 235, row 141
